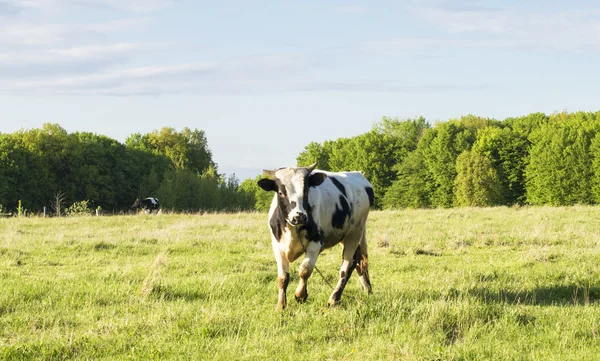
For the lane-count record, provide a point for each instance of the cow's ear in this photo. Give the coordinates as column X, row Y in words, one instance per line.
column 267, row 184
column 316, row 179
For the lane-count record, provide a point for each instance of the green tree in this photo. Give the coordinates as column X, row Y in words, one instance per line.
column 376, row 153
column 315, row 152
column 560, row 168
column 413, row 186
column 477, row 183
column 262, row 200
column 595, row 153
column 187, row 149
column 508, row 153
column 441, row 147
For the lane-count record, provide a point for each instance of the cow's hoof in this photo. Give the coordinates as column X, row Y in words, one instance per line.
column 301, row 297
column 333, row 302
column 280, row 307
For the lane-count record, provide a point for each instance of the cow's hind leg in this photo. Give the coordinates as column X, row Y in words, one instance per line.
column 362, row 265
column 351, row 256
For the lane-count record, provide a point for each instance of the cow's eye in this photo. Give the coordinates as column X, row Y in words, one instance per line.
column 280, row 193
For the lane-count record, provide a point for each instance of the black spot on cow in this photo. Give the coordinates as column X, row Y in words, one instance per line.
column 313, row 232
column 371, row 195
column 315, row 179
column 339, row 186
column 339, row 216
column 278, row 221
column 277, row 224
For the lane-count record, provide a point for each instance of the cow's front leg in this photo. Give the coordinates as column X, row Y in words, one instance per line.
column 351, row 257
column 283, row 275
column 306, row 268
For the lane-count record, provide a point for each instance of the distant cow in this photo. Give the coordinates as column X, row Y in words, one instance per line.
column 148, row 205
column 313, row 210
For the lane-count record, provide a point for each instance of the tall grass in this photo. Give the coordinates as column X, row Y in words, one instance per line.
column 468, row 284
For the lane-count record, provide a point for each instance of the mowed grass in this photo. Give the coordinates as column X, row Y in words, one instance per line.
column 452, row 284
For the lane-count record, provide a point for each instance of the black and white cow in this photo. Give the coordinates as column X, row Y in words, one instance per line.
column 313, row 210
column 148, row 205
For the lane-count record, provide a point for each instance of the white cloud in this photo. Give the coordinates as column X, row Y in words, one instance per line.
column 28, row 33
column 513, row 28
column 109, row 79
column 129, row 5
column 31, row 62
column 87, row 52
column 241, row 76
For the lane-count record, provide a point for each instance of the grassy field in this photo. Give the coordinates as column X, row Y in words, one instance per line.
column 456, row 284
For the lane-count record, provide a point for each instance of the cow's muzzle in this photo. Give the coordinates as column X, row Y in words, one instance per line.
column 299, row 219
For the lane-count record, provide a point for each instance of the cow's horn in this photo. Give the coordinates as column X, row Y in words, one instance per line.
column 312, row 167
column 270, row 173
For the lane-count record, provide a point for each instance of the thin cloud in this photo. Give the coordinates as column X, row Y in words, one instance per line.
column 130, row 5
column 91, row 52
column 29, row 33
column 59, row 55
column 231, row 77
column 111, row 78
column 74, row 60
column 522, row 29
column 386, row 86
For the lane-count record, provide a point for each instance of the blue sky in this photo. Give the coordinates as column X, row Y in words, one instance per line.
column 265, row 78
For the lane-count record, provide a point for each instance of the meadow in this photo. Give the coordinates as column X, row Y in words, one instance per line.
column 519, row 283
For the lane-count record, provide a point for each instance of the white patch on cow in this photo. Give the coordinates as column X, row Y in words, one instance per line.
column 324, row 201
column 288, row 244
column 153, row 200
column 293, row 181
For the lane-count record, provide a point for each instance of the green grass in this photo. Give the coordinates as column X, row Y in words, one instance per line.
column 456, row 284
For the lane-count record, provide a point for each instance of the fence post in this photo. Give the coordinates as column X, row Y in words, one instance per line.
column 44, row 211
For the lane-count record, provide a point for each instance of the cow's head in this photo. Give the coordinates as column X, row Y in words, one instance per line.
column 291, row 185
column 136, row 204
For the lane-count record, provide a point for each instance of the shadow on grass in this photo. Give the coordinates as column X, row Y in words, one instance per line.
column 555, row 295
column 168, row 293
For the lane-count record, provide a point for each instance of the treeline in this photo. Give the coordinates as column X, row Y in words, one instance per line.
column 40, row 167
column 535, row 159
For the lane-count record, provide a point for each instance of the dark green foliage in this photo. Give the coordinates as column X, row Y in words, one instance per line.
column 37, row 164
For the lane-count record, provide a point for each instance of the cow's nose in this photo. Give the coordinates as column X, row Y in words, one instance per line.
column 299, row 218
